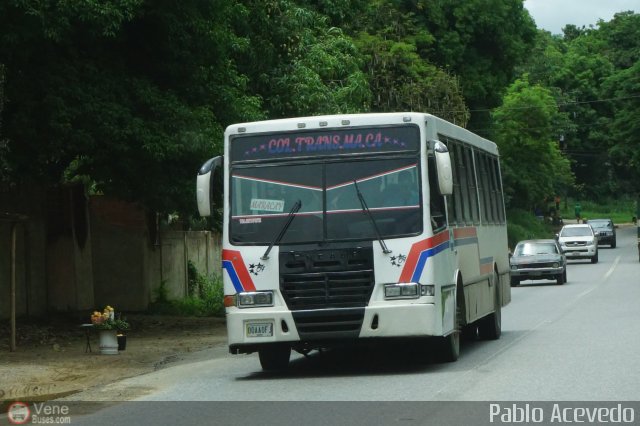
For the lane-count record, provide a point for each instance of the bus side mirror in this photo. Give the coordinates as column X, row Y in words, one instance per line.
column 443, row 166
column 206, row 190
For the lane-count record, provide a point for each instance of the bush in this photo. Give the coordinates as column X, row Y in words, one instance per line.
column 522, row 225
column 620, row 211
column 205, row 298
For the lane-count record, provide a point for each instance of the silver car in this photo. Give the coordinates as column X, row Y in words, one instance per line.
column 579, row 241
column 538, row 260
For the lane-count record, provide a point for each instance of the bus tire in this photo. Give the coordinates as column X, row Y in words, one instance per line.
column 274, row 357
column 490, row 327
column 449, row 346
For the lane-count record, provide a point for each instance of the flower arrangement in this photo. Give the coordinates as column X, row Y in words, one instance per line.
column 106, row 320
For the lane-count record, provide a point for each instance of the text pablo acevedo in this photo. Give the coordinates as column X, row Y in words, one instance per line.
column 557, row 413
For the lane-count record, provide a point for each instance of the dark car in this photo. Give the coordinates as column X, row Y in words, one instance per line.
column 538, row 260
column 605, row 230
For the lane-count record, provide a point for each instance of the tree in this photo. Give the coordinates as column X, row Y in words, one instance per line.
column 481, row 42
column 625, row 129
column 295, row 62
column 402, row 81
column 399, row 77
column 128, row 96
column 533, row 168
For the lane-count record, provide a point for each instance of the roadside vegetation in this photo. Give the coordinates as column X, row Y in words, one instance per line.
column 620, row 211
column 525, row 225
column 129, row 98
column 205, row 297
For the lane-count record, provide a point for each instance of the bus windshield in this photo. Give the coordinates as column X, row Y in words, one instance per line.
column 262, row 197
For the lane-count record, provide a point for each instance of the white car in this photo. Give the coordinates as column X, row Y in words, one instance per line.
column 578, row 241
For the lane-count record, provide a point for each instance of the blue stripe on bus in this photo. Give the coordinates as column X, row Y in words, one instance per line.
column 422, row 260
column 226, row 264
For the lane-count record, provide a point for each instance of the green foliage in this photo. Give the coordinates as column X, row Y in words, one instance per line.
column 523, row 225
column 130, row 97
column 625, row 128
column 593, row 74
column 533, row 167
column 205, row 297
column 113, row 324
column 124, row 95
column 480, row 41
column 620, row 210
column 402, row 81
column 161, row 293
column 296, row 62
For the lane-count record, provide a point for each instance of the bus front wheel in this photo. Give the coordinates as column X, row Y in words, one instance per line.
column 274, row 357
column 449, row 346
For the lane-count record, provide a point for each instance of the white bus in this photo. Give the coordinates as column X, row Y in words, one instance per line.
column 361, row 226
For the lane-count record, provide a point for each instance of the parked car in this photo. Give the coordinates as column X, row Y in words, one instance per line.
column 579, row 241
column 605, row 230
column 538, row 260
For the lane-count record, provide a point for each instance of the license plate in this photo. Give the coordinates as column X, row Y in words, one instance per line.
column 259, row 329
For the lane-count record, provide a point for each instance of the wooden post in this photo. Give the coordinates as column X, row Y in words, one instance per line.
column 12, row 343
column 186, row 263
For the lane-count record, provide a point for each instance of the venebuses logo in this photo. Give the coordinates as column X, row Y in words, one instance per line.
column 18, row 413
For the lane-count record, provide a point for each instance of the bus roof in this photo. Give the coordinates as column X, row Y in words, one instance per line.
column 363, row 119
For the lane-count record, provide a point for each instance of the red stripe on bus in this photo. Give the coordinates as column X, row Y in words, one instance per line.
column 235, row 257
column 414, row 254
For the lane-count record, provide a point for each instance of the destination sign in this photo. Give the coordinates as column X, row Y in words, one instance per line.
column 324, row 142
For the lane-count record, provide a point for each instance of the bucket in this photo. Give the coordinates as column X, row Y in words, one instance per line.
column 108, row 342
column 122, row 342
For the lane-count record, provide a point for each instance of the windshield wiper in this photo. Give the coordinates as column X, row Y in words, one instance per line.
column 365, row 208
column 277, row 239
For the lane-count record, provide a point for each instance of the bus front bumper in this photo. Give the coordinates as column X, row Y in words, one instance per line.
column 249, row 329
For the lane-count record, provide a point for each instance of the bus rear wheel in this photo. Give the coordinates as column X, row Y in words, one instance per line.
column 274, row 357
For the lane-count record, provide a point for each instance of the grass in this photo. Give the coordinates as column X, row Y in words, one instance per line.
column 523, row 225
column 205, row 298
column 620, row 211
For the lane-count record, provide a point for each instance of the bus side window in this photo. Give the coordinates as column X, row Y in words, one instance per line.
column 436, row 201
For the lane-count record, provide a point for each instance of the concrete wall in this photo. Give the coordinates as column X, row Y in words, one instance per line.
column 202, row 248
column 69, row 269
column 78, row 254
column 31, row 291
column 119, row 241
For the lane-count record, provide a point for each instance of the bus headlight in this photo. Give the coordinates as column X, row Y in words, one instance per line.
column 407, row 291
column 255, row 299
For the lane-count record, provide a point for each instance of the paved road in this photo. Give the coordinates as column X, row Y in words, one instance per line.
column 575, row 342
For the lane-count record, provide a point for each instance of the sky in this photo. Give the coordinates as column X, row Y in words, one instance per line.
column 553, row 15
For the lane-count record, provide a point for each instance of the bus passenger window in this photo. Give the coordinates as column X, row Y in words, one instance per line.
column 436, row 201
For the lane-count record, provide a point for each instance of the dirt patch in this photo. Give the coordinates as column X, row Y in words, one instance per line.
column 52, row 359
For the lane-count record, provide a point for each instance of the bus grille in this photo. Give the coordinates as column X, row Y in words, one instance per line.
column 329, row 324
column 322, row 290
column 327, row 289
